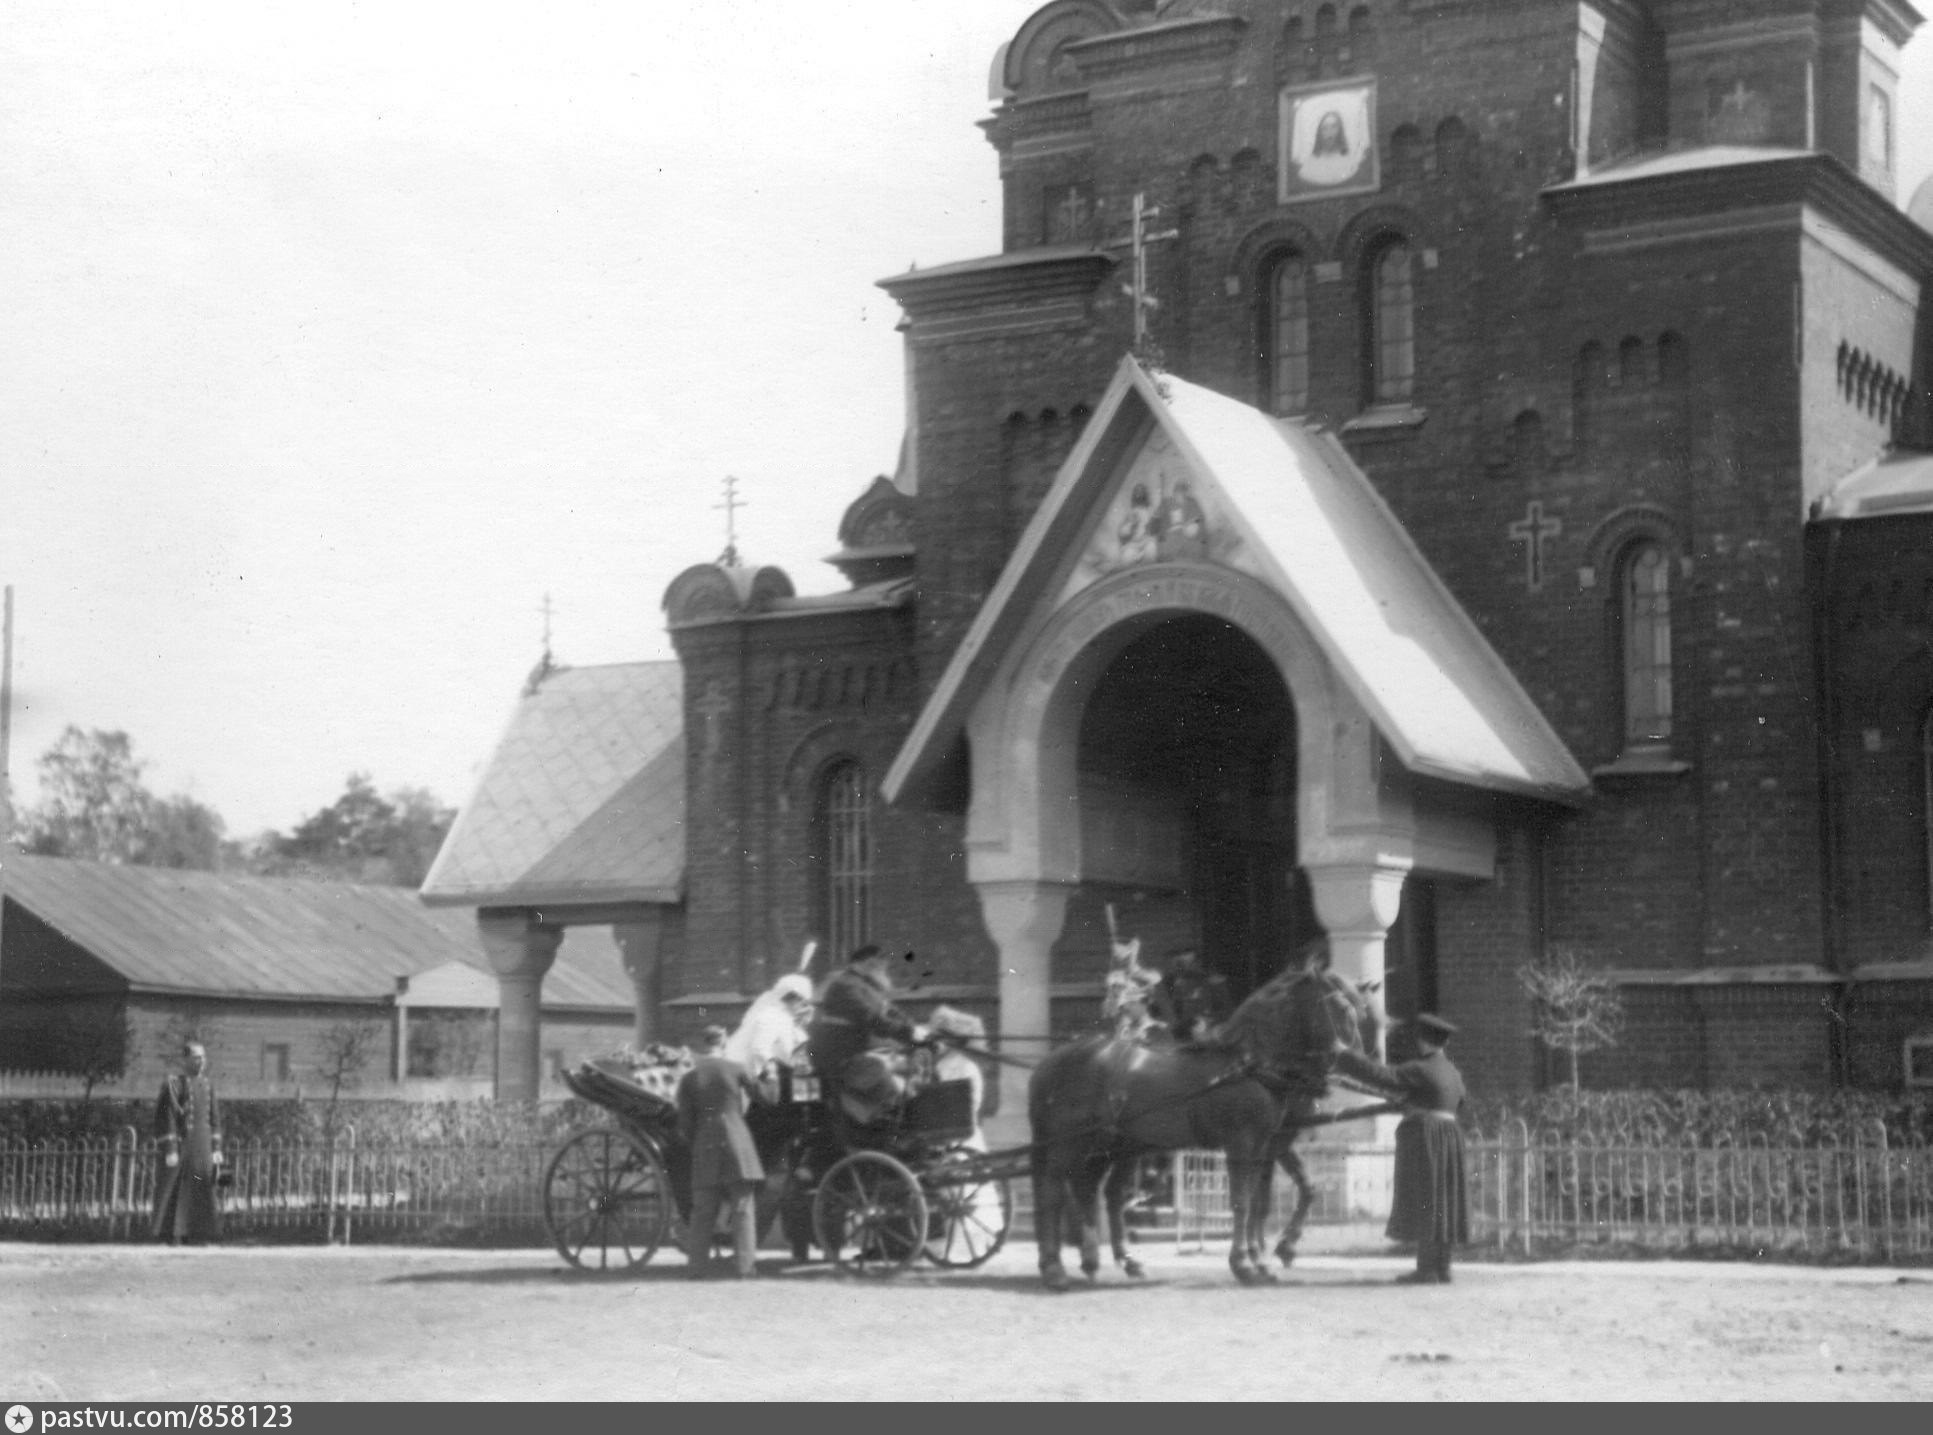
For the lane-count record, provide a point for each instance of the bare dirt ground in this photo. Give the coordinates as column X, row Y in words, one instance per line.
column 372, row 1323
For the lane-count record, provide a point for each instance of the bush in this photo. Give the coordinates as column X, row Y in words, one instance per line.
column 1710, row 1118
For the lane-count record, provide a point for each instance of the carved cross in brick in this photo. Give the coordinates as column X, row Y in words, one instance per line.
column 1531, row 530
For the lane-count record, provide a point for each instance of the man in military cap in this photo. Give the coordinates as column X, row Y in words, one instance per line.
column 857, row 1033
column 1430, row 1206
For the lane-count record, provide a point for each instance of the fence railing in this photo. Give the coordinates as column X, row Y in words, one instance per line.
column 1862, row 1199
column 338, row 1190
column 1538, row 1194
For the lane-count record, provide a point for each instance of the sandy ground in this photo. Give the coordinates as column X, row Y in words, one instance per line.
column 372, row 1323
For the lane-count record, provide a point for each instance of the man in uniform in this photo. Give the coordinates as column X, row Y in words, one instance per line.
column 856, row 1014
column 1430, row 1206
column 187, row 1138
column 725, row 1169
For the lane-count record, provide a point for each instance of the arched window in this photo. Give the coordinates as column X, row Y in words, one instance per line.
column 1631, row 362
column 843, row 845
column 1644, row 622
column 1391, row 340
column 1286, row 340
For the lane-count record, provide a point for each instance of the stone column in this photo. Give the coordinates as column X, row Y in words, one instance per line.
column 1356, row 904
column 1024, row 919
column 520, row 952
column 640, row 947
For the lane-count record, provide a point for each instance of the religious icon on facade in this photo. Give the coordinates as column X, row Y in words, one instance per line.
column 1156, row 517
column 1328, row 140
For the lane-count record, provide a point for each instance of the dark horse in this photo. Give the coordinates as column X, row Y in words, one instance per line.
column 1099, row 1104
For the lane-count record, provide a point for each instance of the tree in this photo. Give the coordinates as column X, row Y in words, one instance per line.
column 96, row 1044
column 95, row 806
column 343, row 1052
column 1573, row 1009
column 364, row 837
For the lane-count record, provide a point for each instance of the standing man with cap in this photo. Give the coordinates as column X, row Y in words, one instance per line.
column 187, row 1138
column 725, row 1169
column 1430, row 1206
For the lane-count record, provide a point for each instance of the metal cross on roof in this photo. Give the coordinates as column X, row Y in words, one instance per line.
column 731, row 505
column 1137, row 244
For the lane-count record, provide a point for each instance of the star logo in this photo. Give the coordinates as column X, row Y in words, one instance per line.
column 19, row 1419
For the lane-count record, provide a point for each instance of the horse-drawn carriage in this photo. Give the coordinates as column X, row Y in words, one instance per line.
column 872, row 1197
column 875, row 1198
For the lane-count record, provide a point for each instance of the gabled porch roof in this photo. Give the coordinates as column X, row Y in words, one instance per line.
column 1305, row 520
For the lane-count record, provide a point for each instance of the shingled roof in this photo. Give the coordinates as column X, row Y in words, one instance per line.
column 211, row 934
column 583, row 800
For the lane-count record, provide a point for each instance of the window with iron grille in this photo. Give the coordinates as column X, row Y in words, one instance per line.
column 1287, row 335
column 1926, row 824
column 844, row 844
column 1392, row 324
column 1645, row 618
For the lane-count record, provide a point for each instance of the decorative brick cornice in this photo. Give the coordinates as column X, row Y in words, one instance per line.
column 1610, row 201
column 1025, row 278
column 1211, row 37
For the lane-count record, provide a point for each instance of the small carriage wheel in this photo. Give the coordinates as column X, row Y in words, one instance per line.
column 607, row 1200
column 971, row 1211
column 870, row 1215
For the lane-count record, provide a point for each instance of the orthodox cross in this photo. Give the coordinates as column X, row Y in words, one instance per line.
column 731, row 505
column 1531, row 530
column 1137, row 244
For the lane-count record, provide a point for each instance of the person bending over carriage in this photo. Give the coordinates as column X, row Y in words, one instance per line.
column 858, row 1038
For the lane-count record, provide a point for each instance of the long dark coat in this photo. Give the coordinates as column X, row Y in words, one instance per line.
column 854, row 1013
column 187, row 1121
column 1430, row 1202
column 712, row 1099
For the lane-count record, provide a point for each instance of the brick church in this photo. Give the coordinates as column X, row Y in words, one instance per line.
column 1438, row 474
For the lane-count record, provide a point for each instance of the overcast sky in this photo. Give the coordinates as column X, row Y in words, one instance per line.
column 338, row 334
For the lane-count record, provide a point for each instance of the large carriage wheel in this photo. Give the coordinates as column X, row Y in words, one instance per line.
column 607, row 1200
column 970, row 1211
column 870, row 1215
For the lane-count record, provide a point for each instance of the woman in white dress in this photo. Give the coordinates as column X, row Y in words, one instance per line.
column 773, row 1029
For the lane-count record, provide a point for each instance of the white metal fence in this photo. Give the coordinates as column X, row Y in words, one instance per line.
column 1536, row 1194
column 339, row 1190
column 1861, row 1199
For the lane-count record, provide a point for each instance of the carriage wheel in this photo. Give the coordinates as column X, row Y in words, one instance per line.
column 970, row 1212
column 870, row 1215
column 607, row 1200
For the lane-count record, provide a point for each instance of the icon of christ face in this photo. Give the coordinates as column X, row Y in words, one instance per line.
column 1331, row 137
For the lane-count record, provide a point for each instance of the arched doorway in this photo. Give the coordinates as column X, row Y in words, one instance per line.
column 1186, row 760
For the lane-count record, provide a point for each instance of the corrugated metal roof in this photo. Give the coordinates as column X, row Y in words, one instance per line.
column 583, row 800
column 215, row 934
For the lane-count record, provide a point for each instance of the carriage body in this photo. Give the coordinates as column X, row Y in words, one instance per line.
column 873, row 1197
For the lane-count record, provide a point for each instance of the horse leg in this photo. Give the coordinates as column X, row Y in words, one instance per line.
column 1246, row 1180
column 1087, row 1202
column 1120, row 1180
column 1305, row 1194
column 1050, row 1189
